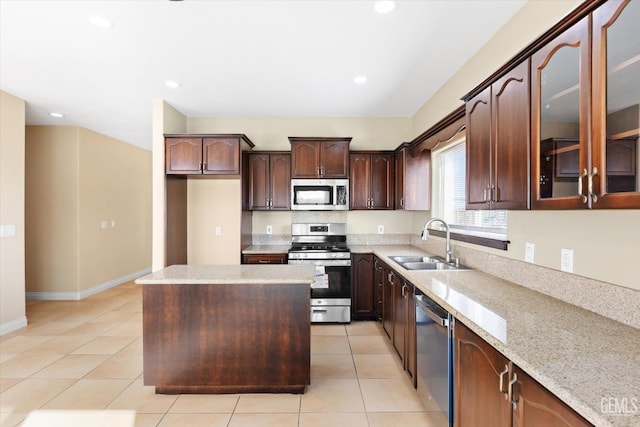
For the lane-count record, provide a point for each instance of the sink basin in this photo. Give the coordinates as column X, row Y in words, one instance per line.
column 414, row 259
column 428, row 266
column 426, row 263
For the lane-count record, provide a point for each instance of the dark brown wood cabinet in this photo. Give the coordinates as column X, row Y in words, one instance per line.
column 412, row 179
column 204, row 154
column 371, row 180
column 387, row 300
column 269, row 181
column 319, row 157
column 490, row 391
column 363, row 302
column 584, row 86
column 264, row 258
column 497, row 143
column 377, row 292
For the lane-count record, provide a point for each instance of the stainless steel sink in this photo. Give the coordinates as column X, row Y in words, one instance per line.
column 413, row 259
column 428, row 266
column 426, row 263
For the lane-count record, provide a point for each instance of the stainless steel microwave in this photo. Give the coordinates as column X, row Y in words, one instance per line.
column 319, row 194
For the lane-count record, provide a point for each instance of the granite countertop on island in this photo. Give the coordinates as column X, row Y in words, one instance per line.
column 231, row 274
column 585, row 359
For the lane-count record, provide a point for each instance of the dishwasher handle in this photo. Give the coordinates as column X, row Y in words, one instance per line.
column 439, row 320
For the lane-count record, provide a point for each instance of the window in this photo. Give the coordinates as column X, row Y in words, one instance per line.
column 449, row 197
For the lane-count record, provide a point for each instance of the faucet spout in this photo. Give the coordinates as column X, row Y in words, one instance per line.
column 425, row 234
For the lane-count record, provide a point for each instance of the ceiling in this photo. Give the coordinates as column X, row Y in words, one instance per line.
column 246, row 58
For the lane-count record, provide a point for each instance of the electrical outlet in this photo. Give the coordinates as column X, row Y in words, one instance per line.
column 218, row 230
column 381, row 229
column 269, row 229
column 566, row 260
column 104, row 224
column 113, row 223
column 529, row 252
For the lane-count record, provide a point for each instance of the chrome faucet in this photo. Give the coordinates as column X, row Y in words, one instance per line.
column 425, row 234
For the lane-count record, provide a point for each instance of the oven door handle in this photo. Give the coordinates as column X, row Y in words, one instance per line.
column 325, row 263
column 439, row 320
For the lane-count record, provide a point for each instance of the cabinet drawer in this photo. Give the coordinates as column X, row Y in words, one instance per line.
column 264, row 259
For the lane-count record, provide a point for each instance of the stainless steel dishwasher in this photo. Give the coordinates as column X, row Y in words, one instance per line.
column 434, row 334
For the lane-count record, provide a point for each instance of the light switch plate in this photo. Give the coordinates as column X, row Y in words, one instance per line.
column 566, row 260
column 529, row 252
column 218, row 230
column 104, row 224
column 269, row 229
column 8, row 230
column 381, row 229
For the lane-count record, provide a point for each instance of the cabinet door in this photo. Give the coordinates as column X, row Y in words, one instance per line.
column 560, row 94
column 381, row 189
column 417, row 180
column 410, row 347
column 387, row 301
column 305, row 159
column 478, row 399
column 258, row 181
column 510, row 149
column 536, row 406
column 399, row 316
column 363, row 286
column 360, row 181
column 280, row 181
column 478, row 142
column 616, row 105
column 399, row 178
column 378, row 288
column 221, row 156
column 334, row 159
column 183, row 156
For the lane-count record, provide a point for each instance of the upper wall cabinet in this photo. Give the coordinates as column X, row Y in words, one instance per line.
column 560, row 120
column 413, row 179
column 204, row 154
column 586, row 115
column 269, row 181
column 497, row 142
column 616, row 105
column 319, row 157
column 371, row 180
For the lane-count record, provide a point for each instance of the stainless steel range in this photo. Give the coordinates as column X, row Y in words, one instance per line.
column 325, row 246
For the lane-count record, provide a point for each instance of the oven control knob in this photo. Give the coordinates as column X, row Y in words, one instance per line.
column 334, row 255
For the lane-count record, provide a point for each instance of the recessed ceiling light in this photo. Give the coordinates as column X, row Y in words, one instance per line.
column 172, row 84
column 385, row 6
column 360, row 79
column 57, row 115
column 101, row 22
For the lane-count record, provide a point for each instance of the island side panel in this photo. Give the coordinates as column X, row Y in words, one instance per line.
column 226, row 338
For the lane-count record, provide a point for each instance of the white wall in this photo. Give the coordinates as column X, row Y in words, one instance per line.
column 12, row 184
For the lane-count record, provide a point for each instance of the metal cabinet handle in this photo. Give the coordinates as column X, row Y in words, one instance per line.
column 493, row 194
column 404, row 291
column 501, row 384
column 583, row 175
column 512, row 391
column 200, row 168
column 484, row 193
column 594, row 196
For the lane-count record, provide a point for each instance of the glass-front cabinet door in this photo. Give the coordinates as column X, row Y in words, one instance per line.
column 616, row 105
column 560, row 121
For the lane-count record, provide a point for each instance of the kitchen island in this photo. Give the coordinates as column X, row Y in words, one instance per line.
column 227, row 329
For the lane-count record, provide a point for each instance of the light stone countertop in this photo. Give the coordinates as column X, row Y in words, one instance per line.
column 266, row 249
column 580, row 356
column 231, row 274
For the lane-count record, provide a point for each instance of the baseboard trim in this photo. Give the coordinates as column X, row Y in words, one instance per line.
column 13, row 325
column 55, row 296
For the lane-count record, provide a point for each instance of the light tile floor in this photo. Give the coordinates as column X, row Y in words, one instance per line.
column 79, row 363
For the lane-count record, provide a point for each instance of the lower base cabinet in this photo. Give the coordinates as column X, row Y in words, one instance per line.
column 363, row 302
column 491, row 391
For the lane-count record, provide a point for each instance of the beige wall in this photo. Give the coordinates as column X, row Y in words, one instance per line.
column 76, row 179
column 12, row 167
column 271, row 133
column 52, row 208
column 166, row 119
column 213, row 203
